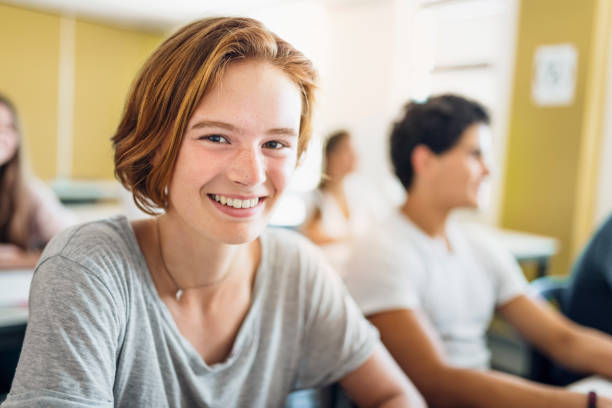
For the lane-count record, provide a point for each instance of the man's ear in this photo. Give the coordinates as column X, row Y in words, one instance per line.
column 421, row 159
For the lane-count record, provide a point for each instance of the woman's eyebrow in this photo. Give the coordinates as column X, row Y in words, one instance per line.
column 224, row 125
column 212, row 123
column 282, row 132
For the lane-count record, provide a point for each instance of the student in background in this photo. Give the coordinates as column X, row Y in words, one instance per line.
column 30, row 214
column 336, row 216
column 431, row 286
column 200, row 305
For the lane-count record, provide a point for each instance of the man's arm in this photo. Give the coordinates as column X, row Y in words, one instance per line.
column 380, row 383
column 576, row 347
column 414, row 344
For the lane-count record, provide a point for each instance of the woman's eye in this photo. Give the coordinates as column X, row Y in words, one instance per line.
column 273, row 145
column 215, row 138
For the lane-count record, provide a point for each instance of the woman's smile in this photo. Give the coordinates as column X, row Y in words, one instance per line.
column 237, row 206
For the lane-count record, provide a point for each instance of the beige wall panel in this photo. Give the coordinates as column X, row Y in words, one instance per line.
column 29, row 47
column 106, row 61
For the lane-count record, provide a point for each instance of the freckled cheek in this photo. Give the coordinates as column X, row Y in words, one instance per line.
column 197, row 172
column 280, row 173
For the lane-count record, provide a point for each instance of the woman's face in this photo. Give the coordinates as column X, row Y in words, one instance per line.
column 238, row 153
column 343, row 159
column 460, row 171
column 9, row 139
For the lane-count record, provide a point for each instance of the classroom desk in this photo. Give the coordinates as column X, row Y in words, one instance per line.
column 527, row 247
column 600, row 385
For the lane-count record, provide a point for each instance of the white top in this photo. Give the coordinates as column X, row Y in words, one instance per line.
column 49, row 215
column 335, row 225
column 398, row 266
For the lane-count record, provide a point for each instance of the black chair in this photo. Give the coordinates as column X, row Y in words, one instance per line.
column 584, row 297
column 11, row 339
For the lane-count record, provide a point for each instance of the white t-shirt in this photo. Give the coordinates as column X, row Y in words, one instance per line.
column 398, row 266
column 335, row 224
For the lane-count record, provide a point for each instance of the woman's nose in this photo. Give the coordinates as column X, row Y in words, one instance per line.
column 248, row 167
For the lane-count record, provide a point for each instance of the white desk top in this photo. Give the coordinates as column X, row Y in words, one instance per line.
column 14, row 291
column 600, row 385
column 11, row 316
column 15, row 287
column 523, row 245
column 526, row 246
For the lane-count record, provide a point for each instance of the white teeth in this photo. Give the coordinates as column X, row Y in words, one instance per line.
column 236, row 202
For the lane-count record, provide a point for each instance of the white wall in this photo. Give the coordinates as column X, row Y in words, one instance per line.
column 358, row 89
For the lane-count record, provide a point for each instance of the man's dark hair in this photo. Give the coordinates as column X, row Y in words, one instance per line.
column 437, row 124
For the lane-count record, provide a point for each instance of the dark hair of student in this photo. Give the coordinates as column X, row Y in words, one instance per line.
column 437, row 124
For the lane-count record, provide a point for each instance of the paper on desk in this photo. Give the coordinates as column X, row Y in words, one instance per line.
column 15, row 287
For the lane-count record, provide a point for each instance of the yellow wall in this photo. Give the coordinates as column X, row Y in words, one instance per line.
column 546, row 159
column 106, row 61
column 106, row 58
column 29, row 52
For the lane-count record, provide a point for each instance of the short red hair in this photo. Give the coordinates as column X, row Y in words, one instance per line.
column 172, row 83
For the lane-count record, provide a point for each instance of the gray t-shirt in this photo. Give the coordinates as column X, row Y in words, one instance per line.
column 99, row 335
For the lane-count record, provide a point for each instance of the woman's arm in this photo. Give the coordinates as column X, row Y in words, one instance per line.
column 313, row 229
column 13, row 257
column 416, row 347
column 576, row 347
column 50, row 215
column 380, row 383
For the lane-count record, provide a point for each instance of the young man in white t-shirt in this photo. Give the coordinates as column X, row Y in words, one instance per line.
column 431, row 286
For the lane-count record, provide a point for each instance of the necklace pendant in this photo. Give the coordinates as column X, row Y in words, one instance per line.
column 178, row 295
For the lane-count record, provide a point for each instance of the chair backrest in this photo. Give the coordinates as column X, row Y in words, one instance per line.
column 588, row 298
column 585, row 298
column 11, row 339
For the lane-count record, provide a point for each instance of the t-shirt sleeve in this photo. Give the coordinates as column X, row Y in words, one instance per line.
column 509, row 278
column 337, row 339
column 382, row 277
column 70, row 348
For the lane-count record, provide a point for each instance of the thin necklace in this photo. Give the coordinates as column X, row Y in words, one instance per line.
column 179, row 290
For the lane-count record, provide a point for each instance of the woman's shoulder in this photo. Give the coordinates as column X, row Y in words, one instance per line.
column 94, row 243
column 291, row 257
column 285, row 242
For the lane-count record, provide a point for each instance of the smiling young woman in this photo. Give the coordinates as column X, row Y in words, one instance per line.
column 201, row 305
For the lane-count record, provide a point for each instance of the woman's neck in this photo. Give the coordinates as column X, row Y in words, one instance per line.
column 335, row 184
column 197, row 264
